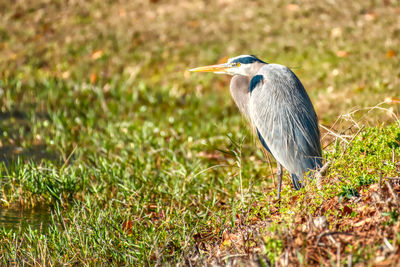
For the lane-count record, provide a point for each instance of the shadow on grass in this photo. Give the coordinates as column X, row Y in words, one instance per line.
column 15, row 127
column 35, row 153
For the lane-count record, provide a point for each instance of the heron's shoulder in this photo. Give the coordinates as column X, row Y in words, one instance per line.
column 274, row 68
column 277, row 73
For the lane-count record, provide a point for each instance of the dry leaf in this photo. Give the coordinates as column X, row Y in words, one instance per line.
column 321, row 222
column 298, row 242
column 342, row 53
column 292, row 8
column 65, row 74
column 152, row 207
column 13, row 56
column 390, row 53
column 194, row 23
column 336, row 32
column 370, row 16
column 205, row 154
column 97, row 54
column 346, row 210
column 374, row 187
column 234, row 237
column 122, row 12
column 361, row 223
column 93, row 78
column 127, row 226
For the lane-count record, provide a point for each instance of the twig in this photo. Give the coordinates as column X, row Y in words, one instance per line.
column 330, row 234
column 332, row 240
column 310, row 223
column 341, row 133
column 321, row 173
column 338, row 255
column 393, row 155
column 380, row 183
column 393, row 193
column 66, row 160
column 333, row 133
column 394, row 180
column 350, row 260
column 233, row 256
column 377, row 106
column 352, row 139
column 349, row 115
column 210, row 168
column 325, row 168
column 286, row 257
column 388, row 245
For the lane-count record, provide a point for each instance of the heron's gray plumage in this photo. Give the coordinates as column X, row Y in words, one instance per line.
column 283, row 114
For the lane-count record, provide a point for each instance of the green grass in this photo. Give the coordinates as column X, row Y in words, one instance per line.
column 142, row 162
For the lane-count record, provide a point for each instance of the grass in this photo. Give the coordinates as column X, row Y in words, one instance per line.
column 143, row 163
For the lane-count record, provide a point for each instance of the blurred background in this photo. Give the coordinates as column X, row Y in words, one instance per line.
column 346, row 53
column 58, row 55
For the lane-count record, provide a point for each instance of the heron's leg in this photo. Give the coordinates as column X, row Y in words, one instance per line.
column 279, row 174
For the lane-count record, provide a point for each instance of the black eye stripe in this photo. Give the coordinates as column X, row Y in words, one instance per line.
column 247, row 60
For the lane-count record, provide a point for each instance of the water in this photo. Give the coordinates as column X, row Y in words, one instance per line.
column 11, row 125
column 18, row 218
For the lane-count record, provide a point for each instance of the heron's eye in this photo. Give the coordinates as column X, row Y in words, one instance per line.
column 236, row 64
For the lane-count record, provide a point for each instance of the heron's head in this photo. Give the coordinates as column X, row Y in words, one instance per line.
column 246, row 65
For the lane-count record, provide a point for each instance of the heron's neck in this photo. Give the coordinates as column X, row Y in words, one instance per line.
column 256, row 67
column 240, row 93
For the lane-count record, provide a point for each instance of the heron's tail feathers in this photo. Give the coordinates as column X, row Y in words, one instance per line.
column 312, row 164
column 296, row 181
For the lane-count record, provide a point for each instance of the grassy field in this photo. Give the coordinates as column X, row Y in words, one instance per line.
column 142, row 162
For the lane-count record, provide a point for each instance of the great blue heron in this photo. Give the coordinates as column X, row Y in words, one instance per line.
column 277, row 106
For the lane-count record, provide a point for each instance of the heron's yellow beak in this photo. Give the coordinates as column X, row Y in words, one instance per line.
column 220, row 68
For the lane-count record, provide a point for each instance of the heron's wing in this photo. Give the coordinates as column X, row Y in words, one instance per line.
column 262, row 141
column 283, row 114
